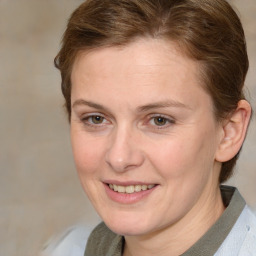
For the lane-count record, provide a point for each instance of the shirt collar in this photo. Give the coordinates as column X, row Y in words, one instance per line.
column 209, row 243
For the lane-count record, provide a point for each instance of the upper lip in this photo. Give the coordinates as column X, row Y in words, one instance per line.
column 128, row 183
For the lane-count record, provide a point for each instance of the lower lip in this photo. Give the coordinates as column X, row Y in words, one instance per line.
column 125, row 198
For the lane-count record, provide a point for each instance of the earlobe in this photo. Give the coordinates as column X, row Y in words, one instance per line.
column 234, row 131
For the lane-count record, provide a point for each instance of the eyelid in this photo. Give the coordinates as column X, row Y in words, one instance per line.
column 87, row 115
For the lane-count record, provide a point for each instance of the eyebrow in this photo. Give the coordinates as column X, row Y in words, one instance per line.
column 87, row 103
column 161, row 104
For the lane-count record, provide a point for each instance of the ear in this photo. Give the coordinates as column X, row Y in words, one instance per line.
column 234, row 130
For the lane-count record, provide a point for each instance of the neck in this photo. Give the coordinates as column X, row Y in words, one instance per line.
column 177, row 238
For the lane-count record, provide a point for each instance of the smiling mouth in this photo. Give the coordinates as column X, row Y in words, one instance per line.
column 131, row 188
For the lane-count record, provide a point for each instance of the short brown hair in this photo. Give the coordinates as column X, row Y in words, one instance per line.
column 208, row 31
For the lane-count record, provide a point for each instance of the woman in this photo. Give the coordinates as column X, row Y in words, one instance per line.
column 154, row 94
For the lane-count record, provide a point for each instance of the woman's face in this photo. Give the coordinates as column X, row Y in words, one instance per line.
column 141, row 124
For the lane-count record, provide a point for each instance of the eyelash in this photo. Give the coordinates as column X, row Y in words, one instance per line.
column 151, row 118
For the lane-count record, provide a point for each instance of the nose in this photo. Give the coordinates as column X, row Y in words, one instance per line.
column 124, row 152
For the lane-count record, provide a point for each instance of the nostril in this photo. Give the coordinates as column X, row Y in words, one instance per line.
column 124, row 159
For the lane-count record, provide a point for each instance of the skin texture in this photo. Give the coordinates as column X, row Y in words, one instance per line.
column 117, row 95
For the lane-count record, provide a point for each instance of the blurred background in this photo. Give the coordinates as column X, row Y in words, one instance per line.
column 40, row 194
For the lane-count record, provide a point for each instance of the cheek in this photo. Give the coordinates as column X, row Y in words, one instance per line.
column 182, row 158
column 87, row 153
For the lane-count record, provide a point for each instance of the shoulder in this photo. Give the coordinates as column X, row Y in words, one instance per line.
column 103, row 241
column 72, row 242
column 242, row 237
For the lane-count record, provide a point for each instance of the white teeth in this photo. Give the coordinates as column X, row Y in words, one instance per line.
column 144, row 187
column 121, row 189
column 137, row 188
column 130, row 189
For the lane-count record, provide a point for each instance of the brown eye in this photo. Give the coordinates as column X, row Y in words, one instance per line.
column 96, row 119
column 160, row 121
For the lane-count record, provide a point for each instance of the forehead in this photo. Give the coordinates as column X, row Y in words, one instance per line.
column 143, row 55
column 148, row 67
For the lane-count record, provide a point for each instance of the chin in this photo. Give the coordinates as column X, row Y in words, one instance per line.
column 127, row 230
column 128, row 226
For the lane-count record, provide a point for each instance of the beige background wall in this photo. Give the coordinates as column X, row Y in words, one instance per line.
column 40, row 194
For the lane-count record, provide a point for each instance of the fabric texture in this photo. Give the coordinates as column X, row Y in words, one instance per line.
column 103, row 241
column 72, row 242
column 234, row 233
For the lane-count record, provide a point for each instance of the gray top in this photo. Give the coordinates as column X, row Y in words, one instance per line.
column 103, row 242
